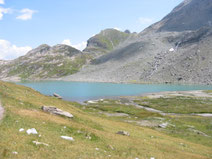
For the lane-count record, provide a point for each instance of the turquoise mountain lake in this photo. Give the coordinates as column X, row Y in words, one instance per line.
column 81, row 91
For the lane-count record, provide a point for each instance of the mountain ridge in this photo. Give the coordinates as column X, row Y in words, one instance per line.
column 173, row 50
column 46, row 62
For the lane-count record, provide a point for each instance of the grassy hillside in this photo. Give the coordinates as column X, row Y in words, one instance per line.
column 94, row 134
column 46, row 68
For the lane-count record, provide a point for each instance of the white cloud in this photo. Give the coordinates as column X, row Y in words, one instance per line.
column 26, row 14
column 145, row 21
column 81, row 46
column 4, row 11
column 9, row 51
column 119, row 29
column 66, row 42
column 1, row 1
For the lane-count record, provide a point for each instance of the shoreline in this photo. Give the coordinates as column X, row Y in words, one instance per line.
column 191, row 93
column 96, row 81
column 64, row 79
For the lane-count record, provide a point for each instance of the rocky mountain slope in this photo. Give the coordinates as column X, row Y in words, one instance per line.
column 3, row 62
column 189, row 15
column 44, row 62
column 175, row 50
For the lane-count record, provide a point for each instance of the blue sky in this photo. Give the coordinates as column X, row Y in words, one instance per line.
column 25, row 24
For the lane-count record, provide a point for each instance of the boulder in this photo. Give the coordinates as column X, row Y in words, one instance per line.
column 67, row 138
column 56, row 111
column 163, row 125
column 125, row 133
column 14, row 152
column 171, row 50
column 20, row 130
column 32, row 131
column 92, row 101
column 39, row 143
column 57, row 96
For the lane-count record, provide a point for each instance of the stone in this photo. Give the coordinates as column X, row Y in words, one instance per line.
column 171, row 50
column 20, row 130
column 125, row 133
column 32, row 131
column 57, row 96
column 97, row 149
column 39, row 143
column 111, row 147
column 67, row 138
column 88, row 137
column 163, row 125
column 14, row 152
column 56, row 111
column 92, row 101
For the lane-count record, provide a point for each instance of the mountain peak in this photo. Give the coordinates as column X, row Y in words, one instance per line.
column 65, row 49
column 189, row 15
column 40, row 49
column 43, row 47
column 106, row 41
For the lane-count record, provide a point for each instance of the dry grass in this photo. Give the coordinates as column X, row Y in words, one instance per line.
column 22, row 107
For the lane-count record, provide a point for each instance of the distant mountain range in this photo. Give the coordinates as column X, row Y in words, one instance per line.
column 176, row 49
column 45, row 62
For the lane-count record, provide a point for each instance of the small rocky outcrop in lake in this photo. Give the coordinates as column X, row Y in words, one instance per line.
column 56, row 111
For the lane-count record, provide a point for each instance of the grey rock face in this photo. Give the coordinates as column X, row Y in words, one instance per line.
column 189, row 15
column 56, row 111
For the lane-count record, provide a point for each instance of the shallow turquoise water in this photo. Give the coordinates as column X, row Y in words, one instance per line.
column 81, row 91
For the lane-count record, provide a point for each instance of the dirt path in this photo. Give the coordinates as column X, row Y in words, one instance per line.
column 1, row 111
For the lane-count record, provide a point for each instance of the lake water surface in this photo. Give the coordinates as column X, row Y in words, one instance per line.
column 81, row 91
